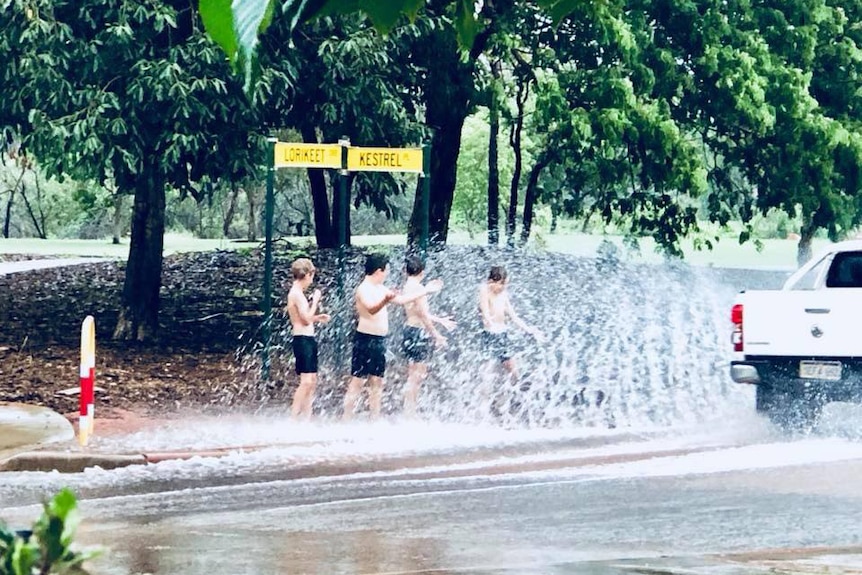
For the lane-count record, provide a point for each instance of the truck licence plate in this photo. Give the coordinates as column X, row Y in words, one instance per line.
column 826, row 370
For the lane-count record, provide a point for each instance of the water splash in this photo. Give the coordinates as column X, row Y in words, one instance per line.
column 628, row 344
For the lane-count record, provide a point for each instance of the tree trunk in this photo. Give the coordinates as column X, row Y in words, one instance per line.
column 251, row 197
column 40, row 233
column 139, row 309
column 117, row 224
column 43, row 221
column 7, row 222
column 530, row 197
column 448, row 93
column 8, row 218
column 227, row 220
column 324, row 229
column 806, row 235
column 324, row 221
column 493, row 162
column 515, row 141
column 338, row 209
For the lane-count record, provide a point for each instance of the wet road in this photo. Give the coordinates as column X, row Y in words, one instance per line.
column 437, row 499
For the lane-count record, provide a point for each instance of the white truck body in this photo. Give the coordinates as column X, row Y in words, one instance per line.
column 802, row 345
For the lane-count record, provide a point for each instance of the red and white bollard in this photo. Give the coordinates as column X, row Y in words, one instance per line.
column 86, row 415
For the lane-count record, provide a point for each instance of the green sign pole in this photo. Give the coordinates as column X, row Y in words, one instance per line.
column 267, row 259
column 425, row 200
column 343, row 196
column 342, row 216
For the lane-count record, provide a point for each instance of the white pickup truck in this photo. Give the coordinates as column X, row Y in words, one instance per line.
column 802, row 345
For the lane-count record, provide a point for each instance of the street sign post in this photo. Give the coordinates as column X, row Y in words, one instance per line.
column 346, row 158
column 385, row 160
column 304, row 155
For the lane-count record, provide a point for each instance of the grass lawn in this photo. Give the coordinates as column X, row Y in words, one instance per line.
column 174, row 243
column 775, row 253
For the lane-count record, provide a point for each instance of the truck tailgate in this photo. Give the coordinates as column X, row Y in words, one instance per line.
column 803, row 323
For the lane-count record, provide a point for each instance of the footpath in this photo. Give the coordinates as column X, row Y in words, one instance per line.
column 34, row 438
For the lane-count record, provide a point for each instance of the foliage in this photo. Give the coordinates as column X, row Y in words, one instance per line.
column 469, row 204
column 237, row 26
column 41, row 206
column 47, row 547
column 771, row 89
column 133, row 96
column 349, row 82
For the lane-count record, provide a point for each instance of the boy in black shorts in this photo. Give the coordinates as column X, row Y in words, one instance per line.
column 303, row 316
column 369, row 341
column 496, row 310
column 419, row 330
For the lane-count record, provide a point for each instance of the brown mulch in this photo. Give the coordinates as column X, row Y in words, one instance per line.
column 209, row 319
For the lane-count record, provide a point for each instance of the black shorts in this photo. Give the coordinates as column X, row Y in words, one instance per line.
column 369, row 355
column 416, row 345
column 496, row 345
column 305, row 352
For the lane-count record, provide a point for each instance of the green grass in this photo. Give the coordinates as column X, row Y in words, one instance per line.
column 727, row 253
column 174, row 243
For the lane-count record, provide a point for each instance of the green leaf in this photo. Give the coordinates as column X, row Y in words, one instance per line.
column 251, row 18
column 386, row 13
column 297, row 10
column 218, row 22
column 466, row 25
column 558, row 10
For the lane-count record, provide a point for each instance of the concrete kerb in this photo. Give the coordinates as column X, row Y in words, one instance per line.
column 66, row 462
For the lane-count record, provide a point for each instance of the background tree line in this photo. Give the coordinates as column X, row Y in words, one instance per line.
column 652, row 116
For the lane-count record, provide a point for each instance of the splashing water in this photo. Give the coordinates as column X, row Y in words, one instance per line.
column 627, row 344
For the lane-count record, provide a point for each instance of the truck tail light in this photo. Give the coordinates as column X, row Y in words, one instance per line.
column 736, row 319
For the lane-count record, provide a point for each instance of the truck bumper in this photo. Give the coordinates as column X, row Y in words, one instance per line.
column 782, row 375
column 742, row 372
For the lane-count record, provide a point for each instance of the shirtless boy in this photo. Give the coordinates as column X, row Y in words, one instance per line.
column 496, row 307
column 419, row 330
column 303, row 316
column 369, row 341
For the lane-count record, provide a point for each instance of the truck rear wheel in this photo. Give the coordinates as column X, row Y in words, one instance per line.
column 789, row 409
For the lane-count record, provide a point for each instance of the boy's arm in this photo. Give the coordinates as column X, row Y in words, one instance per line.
column 315, row 304
column 315, row 301
column 516, row 319
column 431, row 287
column 374, row 307
column 485, row 306
column 428, row 321
column 302, row 308
column 447, row 322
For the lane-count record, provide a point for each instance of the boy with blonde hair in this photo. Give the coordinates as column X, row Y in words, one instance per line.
column 303, row 315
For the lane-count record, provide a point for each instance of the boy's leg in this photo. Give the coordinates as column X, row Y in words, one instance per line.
column 375, row 395
column 486, row 386
column 308, row 405
column 511, row 368
column 353, row 390
column 416, row 374
column 302, row 393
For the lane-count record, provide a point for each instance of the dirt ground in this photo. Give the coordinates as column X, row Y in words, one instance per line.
column 209, row 318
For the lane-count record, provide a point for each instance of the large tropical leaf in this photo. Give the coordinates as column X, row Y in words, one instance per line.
column 236, row 25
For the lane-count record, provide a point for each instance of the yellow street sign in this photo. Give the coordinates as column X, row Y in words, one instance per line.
column 384, row 160
column 307, row 155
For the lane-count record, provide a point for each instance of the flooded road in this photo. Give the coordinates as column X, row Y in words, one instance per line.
column 433, row 498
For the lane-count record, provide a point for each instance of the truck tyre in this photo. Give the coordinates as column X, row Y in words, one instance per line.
column 791, row 410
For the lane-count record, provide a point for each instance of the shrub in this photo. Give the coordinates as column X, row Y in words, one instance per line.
column 46, row 548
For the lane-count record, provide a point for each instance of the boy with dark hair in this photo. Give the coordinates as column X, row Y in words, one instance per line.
column 303, row 316
column 419, row 325
column 496, row 308
column 369, row 340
